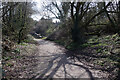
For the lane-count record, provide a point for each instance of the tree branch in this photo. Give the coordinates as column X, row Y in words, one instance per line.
column 103, row 10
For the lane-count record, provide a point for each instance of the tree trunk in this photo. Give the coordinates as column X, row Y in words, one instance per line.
column 119, row 17
column 76, row 32
column 111, row 21
column 119, row 34
column 23, row 23
column 20, row 36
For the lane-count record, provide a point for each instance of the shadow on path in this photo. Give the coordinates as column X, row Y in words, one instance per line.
column 64, row 59
column 57, row 62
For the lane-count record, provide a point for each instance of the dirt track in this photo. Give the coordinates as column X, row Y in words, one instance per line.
column 51, row 61
column 55, row 63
